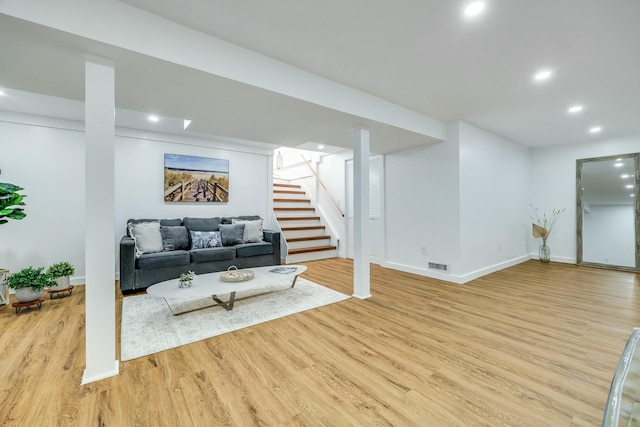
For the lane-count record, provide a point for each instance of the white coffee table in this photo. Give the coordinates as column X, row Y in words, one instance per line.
column 209, row 284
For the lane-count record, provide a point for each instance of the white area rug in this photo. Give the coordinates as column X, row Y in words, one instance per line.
column 148, row 326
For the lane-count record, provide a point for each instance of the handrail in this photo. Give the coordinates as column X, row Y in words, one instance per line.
column 308, row 163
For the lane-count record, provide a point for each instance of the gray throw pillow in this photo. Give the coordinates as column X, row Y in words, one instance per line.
column 231, row 234
column 252, row 230
column 147, row 237
column 174, row 237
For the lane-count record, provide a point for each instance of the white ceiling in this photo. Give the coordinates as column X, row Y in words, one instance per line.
column 420, row 54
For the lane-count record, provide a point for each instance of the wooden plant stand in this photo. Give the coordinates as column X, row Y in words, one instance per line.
column 19, row 305
column 59, row 293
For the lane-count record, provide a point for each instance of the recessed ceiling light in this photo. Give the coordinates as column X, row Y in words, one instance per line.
column 618, row 165
column 575, row 109
column 628, row 186
column 542, row 75
column 2, row 92
column 626, row 175
column 153, row 118
column 595, row 129
column 186, row 123
column 320, row 147
column 474, row 8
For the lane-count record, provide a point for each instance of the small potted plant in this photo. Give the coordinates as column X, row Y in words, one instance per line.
column 29, row 283
column 61, row 272
column 186, row 279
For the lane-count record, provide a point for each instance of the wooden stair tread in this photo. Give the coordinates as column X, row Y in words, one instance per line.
column 298, row 218
column 310, row 227
column 304, row 239
column 314, row 249
column 293, row 200
column 276, row 184
column 294, row 209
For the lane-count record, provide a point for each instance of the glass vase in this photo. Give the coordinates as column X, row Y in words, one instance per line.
column 544, row 252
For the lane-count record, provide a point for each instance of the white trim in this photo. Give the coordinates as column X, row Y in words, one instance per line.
column 457, row 279
column 562, row 259
column 102, row 376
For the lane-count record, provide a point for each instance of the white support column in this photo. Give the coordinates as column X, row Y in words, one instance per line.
column 361, row 274
column 100, row 303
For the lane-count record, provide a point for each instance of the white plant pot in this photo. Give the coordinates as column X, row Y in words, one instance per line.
column 61, row 282
column 28, row 294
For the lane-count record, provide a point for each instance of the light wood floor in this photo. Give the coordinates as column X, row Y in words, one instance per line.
column 532, row 345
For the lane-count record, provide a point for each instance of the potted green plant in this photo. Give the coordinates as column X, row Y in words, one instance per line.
column 61, row 273
column 29, row 283
column 9, row 199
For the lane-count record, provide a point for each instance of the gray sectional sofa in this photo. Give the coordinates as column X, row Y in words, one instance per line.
column 154, row 250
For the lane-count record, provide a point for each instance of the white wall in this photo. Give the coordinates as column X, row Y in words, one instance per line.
column 422, row 205
column 140, row 181
column 494, row 181
column 48, row 163
column 46, row 157
column 607, row 235
column 553, row 186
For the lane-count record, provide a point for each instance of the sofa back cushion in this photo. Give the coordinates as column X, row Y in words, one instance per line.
column 202, row 224
column 229, row 219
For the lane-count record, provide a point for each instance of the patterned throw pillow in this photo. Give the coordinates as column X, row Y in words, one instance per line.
column 205, row 239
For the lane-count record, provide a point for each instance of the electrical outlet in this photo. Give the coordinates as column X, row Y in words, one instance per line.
column 424, row 250
column 499, row 246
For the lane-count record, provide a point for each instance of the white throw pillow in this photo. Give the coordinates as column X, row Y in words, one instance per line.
column 147, row 237
column 252, row 230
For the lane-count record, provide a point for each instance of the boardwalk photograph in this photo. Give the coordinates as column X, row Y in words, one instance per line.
column 195, row 179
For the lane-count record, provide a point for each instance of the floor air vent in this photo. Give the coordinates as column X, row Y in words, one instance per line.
column 439, row 267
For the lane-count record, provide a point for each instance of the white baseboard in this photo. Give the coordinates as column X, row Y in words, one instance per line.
column 422, row 272
column 562, row 259
column 493, row 268
column 458, row 279
column 101, row 376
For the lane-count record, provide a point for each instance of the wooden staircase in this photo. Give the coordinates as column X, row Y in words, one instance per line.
column 301, row 226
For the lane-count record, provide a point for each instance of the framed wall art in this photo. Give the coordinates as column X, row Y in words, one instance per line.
column 195, row 179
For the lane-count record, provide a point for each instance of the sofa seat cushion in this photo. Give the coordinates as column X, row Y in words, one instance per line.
column 162, row 260
column 212, row 254
column 253, row 249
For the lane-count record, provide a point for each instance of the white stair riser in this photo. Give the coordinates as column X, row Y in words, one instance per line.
column 292, row 204
column 310, row 256
column 288, row 196
column 304, row 223
column 308, row 243
column 304, row 233
column 289, row 214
